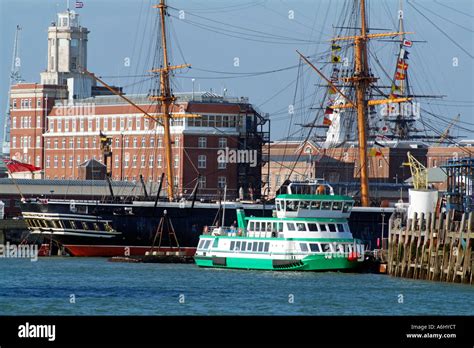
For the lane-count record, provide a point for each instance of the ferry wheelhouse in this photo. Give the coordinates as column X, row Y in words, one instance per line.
column 309, row 231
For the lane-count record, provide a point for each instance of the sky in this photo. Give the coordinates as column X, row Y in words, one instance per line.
column 249, row 49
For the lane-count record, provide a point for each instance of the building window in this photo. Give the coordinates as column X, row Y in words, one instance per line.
column 160, row 142
column 202, row 182
column 130, row 123
column 71, row 143
column 14, row 103
column 159, row 161
column 122, row 123
column 94, row 142
column 127, row 142
column 66, row 125
column 13, row 142
column 89, row 125
column 138, row 124
column 127, row 160
column 202, row 142
column 152, row 142
column 48, row 143
column 97, row 123
column 434, row 163
column 146, row 123
column 221, row 165
column 60, row 125
column 63, row 161
column 71, row 160
column 222, row 143
column 78, row 143
column 13, row 126
column 73, row 124
column 135, row 142
column 176, row 181
column 106, row 123
column 134, row 162
column 380, row 163
column 114, row 123
column 176, row 161
column 86, row 143
column 48, row 162
column 142, row 162
column 117, row 143
column 55, row 143
column 143, row 142
column 81, row 124
column 151, row 159
column 38, row 141
column 78, row 161
column 38, row 121
column 176, row 142
column 202, row 161
column 116, row 161
column 221, row 182
column 38, row 161
column 55, row 161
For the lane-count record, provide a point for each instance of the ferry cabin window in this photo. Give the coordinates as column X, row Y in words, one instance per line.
column 332, row 227
column 237, row 246
column 206, row 245
column 260, row 246
column 278, row 205
column 290, row 226
column 254, row 246
column 325, row 247
column 323, row 227
column 313, row 227
column 267, row 247
column 304, row 205
column 314, row 247
column 201, row 243
column 280, row 227
column 326, row 205
column 337, row 206
column 257, row 226
column 304, row 247
column 249, row 246
column 346, row 207
column 291, row 206
column 251, row 226
column 315, row 205
column 232, row 244
column 244, row 246
column 216, row 243
column 340, row 227
column 301, row 227
column 269, row 226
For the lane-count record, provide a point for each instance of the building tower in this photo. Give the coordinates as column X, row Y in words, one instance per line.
column 67, row 56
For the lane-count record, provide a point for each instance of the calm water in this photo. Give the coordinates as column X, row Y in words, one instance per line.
column 104, row 288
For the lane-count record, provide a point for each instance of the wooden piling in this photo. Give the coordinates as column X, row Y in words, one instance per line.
column 432, row 247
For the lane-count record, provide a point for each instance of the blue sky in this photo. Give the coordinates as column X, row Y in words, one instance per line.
column 262, row 37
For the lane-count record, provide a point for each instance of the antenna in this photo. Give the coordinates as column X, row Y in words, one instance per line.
column 15, row 77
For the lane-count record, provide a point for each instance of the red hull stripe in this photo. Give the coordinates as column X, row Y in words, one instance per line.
column 118, row 250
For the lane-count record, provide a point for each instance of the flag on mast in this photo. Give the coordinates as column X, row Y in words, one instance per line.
column 79, row 4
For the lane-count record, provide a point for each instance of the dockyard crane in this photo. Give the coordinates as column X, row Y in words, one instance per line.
column 419, row 173
column 15, row 77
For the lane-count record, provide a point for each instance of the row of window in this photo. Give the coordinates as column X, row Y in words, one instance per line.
column 136, row 141
column 295, row 205
column 25, row 103
column 218, row 121
column 257, row 226
column 69, row 224
column 325, row 247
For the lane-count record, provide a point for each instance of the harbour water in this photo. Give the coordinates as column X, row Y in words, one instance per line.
column 94, row 286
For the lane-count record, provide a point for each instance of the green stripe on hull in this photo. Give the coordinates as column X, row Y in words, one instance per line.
column 309, row 263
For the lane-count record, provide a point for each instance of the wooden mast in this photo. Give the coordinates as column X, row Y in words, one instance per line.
column 361, row 82
column 166, row 99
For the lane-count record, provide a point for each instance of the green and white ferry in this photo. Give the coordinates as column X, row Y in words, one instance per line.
column 309, row 231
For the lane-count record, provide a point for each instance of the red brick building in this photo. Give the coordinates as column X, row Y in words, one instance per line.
column 56, row 126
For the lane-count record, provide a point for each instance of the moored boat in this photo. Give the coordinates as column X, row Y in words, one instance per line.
column 309, row 231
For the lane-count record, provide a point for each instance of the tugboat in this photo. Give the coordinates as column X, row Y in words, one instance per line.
column 309, row 231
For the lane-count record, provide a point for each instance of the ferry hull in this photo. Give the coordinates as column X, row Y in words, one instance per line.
column 309, row 263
